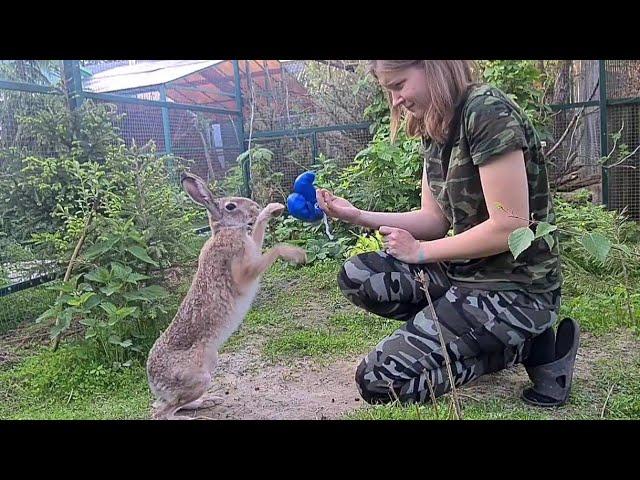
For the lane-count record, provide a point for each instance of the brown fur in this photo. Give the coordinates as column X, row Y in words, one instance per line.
column 181, row 362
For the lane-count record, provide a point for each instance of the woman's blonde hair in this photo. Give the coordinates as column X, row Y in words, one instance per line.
column 447, row 81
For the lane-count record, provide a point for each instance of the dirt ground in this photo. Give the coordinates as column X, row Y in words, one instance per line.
column 305, row 390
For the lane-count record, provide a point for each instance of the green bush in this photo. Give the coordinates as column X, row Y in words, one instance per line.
column 117, row 207
column 386, row 176
column 579, row 216
column 523, row 82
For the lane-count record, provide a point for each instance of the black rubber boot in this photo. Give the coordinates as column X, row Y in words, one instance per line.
column 552, row 381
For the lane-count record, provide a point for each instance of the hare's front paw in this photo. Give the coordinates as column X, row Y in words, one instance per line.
column 273, row 210
column 293, row 254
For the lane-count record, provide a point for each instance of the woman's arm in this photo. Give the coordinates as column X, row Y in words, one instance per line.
column 428, row 223
column 504, row 181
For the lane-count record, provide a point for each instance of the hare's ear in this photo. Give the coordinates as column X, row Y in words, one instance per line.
column 197, row 189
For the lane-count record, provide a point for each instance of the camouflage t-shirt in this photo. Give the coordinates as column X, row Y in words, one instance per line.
column 492, row 124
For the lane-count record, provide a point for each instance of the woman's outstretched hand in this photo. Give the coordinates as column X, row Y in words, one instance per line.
column 337, row 207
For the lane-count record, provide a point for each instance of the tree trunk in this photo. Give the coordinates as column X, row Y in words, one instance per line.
column 560, row 96
column 561, row 86
column 589, row 146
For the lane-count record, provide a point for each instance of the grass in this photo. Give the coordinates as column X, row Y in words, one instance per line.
column 300, row 313
column 487, row 410
column 24, row 306
column 71, row 384
column 622, row 378
column 599, row 313
column 600, row 303
column 342, row 334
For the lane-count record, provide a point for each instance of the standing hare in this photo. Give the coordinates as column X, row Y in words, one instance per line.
column 181, row 362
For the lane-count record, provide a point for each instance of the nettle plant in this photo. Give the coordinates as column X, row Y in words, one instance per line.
column 595, row 244
column 610, row 251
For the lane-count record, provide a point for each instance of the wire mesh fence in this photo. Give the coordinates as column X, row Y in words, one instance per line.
column 294, row 154
column 624, row 163
column 623, row 79
column 574, row 163
column 622, row 168
column 596, row 132
column 207, row 141
column 210, row 113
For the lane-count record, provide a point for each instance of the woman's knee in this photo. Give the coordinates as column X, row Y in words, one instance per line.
column 357, row 269
column 364, row 383
column 372, row 389
column 344, row 281
column 350, row 279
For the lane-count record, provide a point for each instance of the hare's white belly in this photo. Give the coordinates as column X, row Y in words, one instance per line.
column 242, row 306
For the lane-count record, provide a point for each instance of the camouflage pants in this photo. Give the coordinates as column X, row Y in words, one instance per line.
column 484, row 331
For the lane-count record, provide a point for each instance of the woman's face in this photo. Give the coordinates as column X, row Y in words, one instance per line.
column 408, row 88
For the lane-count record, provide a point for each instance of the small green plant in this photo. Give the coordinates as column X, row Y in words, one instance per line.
column 324, row 249
column 580, row 215
column 312, row 237
column 597, row 245
column 266, row 183
column 385, row 176
column 366, row 242
column 111, row 300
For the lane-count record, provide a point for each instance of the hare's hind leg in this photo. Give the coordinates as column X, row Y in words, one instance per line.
column 191, row 391
column 165, row 411
column 208, row 399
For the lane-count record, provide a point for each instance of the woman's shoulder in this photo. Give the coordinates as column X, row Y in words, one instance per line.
column 483, row 96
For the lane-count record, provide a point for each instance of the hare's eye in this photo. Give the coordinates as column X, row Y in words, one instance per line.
column 230, row 206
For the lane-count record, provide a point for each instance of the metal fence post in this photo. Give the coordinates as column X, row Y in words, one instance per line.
column 72, row 83
column 77, row 81
column 166, row 128
column 604, row 142
column 246, row 171
column 314, row 147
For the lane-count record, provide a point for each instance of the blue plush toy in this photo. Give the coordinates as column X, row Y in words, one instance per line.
column 302, row 202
